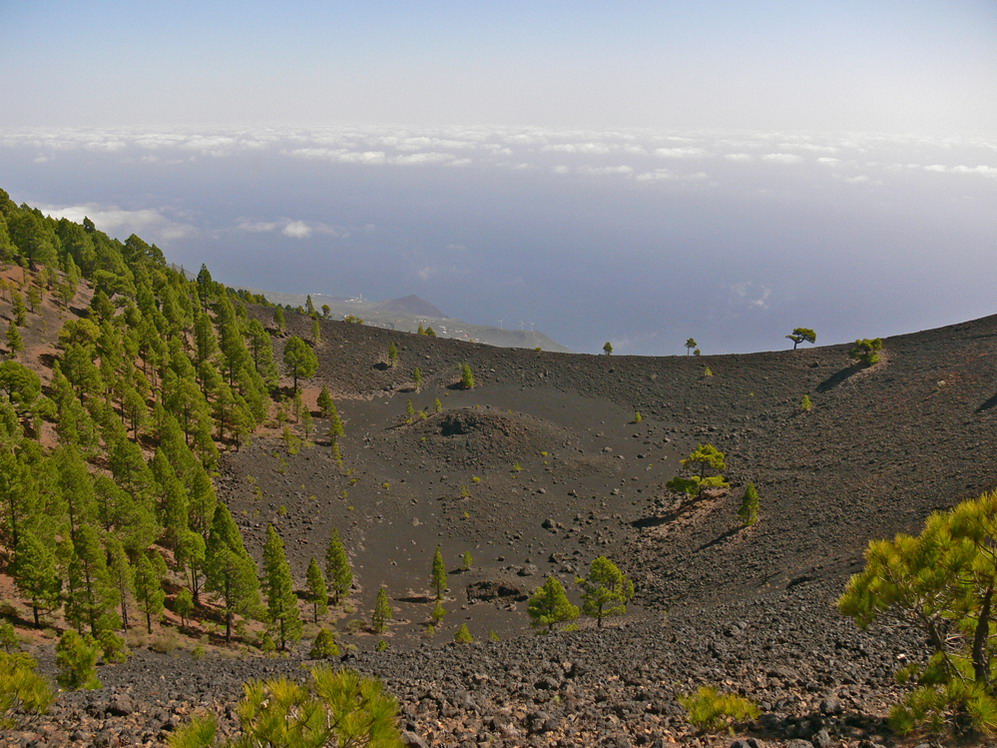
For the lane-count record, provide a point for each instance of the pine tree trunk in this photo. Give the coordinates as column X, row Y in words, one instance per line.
column 148, row 621
column 228, row 609
column 34, row 611
column 91, row 613
column 981, row 666
column 13, row 520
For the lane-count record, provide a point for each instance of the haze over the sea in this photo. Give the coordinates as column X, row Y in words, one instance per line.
column 634, row 173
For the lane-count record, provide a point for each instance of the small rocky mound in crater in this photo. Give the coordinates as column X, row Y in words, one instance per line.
column 469, row 435
column 465, row 422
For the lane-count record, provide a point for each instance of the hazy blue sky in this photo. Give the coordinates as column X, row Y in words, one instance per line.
column 902, row 66
column 634, row 171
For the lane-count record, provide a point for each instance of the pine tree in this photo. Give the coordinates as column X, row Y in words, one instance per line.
column 325, row 402
column 438, row 613
column 14, row 340
column 382, row 612
column 173, row 502
column 261, row 350
column 417, row 379
column 336, row 428
column 24, row 690
column 748, row 511
column 690, row 344
column 190, row 554
column 282, row 603
column 801, row 334
column 607, row 348
column 300, row 359
column 149, row 586
column 463, row 635
column 549, row 605
column 324, row 646
column 317, row 591
column 19, row 313
column 338, row 572
column 278, row 318
column 76, row 660
column 92, row 598
column 704, row 458
column 206, row 344
column 392, row 355
column 34, row 298
column 307, row 424
column 230, row 570
column 867, row 351
column 943, row 581
column 183, row 604
column 337, row 708
column 35, row 574
column 438, row 577
column 16, row 494
column 122, row 575
column 466, row 377
column 606, row 591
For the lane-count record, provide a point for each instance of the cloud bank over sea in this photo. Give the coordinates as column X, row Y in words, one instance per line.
column 638, row 236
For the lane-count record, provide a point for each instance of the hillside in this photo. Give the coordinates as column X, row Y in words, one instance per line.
column 409, row 313
column 537, row 470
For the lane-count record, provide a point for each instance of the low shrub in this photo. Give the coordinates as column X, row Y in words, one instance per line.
column 164, row 642
column 22, row 689
column 957, row 706
column 76, row 660
column 712, row 711
column 324, row 645
column 113, row 647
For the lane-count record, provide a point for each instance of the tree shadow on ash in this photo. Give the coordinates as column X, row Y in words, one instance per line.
column 988, row 404
column 416, row 599
column 719, row 539
column 671, row 515
column 838, row 377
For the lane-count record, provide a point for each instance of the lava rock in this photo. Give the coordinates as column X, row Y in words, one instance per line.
column 411, row 740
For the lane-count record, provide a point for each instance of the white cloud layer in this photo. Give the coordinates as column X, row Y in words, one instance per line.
column 290, row 227
column 694, row 159
column 149, row 223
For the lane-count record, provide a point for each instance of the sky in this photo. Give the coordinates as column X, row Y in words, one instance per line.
column 638, row 172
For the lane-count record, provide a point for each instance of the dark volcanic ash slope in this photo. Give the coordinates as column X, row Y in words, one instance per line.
column 882, row 447
column 563, row 475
